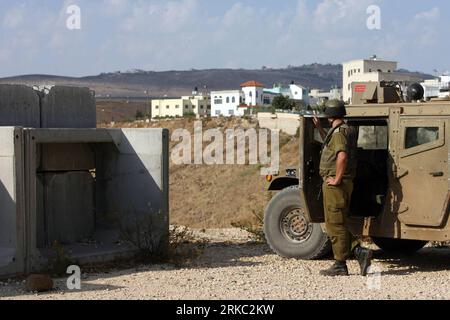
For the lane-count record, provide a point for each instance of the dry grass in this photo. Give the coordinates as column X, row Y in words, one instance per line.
column 219, row 196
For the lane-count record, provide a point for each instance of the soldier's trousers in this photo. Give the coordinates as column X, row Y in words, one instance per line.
column 336, row 202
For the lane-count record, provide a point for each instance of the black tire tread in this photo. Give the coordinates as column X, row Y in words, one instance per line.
column 324, row 248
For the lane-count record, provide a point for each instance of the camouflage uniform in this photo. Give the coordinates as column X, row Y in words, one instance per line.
column 336, row 199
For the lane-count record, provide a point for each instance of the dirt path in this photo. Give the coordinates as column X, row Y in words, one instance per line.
column 229, row 267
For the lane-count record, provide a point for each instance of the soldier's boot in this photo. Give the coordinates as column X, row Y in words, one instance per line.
column 364, row 257
column 339, row 268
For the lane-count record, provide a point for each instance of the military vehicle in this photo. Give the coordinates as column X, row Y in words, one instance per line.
column 401, row 191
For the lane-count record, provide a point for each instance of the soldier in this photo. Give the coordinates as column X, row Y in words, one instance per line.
column 338, row 169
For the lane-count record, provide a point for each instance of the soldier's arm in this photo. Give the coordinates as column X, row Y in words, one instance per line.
column 323, row 133
column 341, row 166
column 339, row 145
column 318, row 125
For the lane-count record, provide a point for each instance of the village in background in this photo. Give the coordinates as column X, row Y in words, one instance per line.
column 253, row 96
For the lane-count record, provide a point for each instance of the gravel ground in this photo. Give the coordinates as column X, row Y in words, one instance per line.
column 231, row 267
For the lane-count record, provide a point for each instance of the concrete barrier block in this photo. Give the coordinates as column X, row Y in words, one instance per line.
column 12, row 212
column 66, row 157
column 19, row 106
column 287, row 123
column 136, row 182
column 68, row 207
column 68, row 107
column 127, row 194
column 129, row 190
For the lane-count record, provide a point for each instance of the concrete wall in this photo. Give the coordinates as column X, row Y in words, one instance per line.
column 135, row 182
column 19, row 106
column 11, row 202
column 68, row 107
column 58, row 107
column 285, row 122
column 85, row 212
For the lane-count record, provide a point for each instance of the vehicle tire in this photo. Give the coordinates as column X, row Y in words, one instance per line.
column 288, row 230
column 399, row 246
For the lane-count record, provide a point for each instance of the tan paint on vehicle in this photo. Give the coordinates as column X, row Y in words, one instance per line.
column 416, row 204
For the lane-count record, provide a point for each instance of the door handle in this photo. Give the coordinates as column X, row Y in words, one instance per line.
column 399, row 172
column 437, row 174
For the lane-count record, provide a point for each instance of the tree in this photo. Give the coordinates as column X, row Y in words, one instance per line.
column 299, row 105
column 139, row 114
column 283, row 103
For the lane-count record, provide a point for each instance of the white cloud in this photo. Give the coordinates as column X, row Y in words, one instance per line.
column 301, row 12
column 184, row 34
column 4, row 55
column 14, row 17
column 431, row 14
column 424, row 26
column 336, row 13
column 238, row 14
column 58, row 30
column 168, row 16
column 115, row 7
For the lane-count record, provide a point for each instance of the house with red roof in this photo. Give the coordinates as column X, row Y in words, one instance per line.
column 253, row 93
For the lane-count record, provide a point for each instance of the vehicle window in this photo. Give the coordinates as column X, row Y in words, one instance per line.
column 418, row 136
column 369, row 137
column 373, row 137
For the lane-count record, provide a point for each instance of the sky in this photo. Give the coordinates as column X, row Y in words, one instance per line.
column 162, row 35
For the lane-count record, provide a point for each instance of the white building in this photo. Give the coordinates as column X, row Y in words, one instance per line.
column 318, row 96
column 200, row 104
column 226, row 103
column 445, row 80
column 177, row 108
column 436, row 88
column 299, row 93
column 253, row 93
column 237, row 102
column 372, row 70
column 294, row 92
column 365, row 70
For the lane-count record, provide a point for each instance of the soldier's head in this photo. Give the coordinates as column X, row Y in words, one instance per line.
column 335, row 110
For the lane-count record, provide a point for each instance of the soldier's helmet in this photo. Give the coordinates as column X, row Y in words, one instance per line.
column 335, row 109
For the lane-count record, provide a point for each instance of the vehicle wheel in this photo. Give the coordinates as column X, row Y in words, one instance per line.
column 399, row 246
column 289, row 232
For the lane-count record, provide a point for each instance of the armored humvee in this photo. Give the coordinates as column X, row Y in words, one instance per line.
column 401, row 191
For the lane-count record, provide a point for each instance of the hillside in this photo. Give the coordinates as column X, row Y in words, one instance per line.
column 219, row 196
column 176, row 83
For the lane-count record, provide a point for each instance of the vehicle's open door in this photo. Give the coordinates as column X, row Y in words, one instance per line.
column 310, row 180
column 423, row 172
